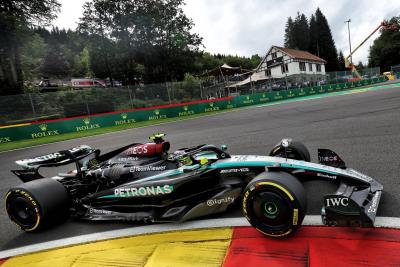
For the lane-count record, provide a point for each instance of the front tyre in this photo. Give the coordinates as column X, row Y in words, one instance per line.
column 275, row 203
column 291, row 149
column 37, row 204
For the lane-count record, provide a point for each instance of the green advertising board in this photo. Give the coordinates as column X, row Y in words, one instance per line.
column 52, row 128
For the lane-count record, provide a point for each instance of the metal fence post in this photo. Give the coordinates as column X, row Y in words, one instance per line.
column 169, row 96
column 130, row 97
column 32, row 105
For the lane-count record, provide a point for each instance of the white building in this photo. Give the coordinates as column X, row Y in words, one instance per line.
column 294, row 65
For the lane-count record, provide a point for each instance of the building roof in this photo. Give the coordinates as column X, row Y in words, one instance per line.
column 225, row 70
column 299, row 54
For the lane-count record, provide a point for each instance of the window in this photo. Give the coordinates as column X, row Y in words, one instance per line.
column 302, row 66
column 268, row 72
column 274, row 55
column 318, row 67
column 310, row 66
column 284, row 68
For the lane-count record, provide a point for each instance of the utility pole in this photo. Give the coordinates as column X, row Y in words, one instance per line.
column 348, row 28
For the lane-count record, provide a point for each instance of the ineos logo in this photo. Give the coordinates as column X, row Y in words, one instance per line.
column 137, row 150
column 334, row 202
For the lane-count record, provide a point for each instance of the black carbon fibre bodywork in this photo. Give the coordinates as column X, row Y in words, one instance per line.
column 143, row 182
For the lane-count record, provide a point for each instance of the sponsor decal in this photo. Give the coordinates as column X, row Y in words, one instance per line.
column 219, row 201
column 291, row 94
column 374, row 205
column 312, row 91
column 5, row 140
column 157, row 115
column 333, row 177
column 278, row 96
column 302, row 93
column 211, row 107
column 97, row 211
column 124, row 120
column 186, row 112
column 337, row 202
column 128, row 159
column 137, row 150
column 229, row 105
column 321, row 90
column 44, row 132
column 360, row 175
column 248, row 100
column 264, row 98
column 144, row 191
column 147, row 168
column 87, row 126
column 295, row 216
column 234, row 170
column 242, row 158
column 52, row 155
column 328, row 158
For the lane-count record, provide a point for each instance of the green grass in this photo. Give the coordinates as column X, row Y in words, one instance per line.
column 69, row 136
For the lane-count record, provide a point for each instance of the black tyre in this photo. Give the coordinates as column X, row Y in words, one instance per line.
column 294, row 150
column 275, row 203
column 37, row 204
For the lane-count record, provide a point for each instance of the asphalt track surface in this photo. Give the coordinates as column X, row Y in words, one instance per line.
column 363, row 128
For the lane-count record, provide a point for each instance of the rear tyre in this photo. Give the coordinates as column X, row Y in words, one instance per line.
column 275, row 203
column 37, row 204
column 294, row 150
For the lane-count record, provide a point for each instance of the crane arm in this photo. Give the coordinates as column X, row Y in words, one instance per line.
column 386, row 25
column 346, row 60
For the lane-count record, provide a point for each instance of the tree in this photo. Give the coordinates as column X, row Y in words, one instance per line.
column 313, row 46
column 96, row 23
column 341, row 63
column 385, row 51
column 297, row 33
column 15, row 16
column 326, row 48
column 54, row 63
column 289, row 40
column 32, row 52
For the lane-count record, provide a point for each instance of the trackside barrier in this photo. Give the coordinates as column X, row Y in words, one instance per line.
column 43, row 129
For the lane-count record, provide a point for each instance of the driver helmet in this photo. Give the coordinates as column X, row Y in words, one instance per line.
column 181, row 157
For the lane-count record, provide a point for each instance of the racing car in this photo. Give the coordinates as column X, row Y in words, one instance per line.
column 144, row 182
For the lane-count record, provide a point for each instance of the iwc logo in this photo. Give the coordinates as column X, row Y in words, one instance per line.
column 157, row 115
column 302, row 93
column 44, row 132
column 87, row 126
column 211, row 107
column 124, row 120
column 229, row 105
column 186, row 112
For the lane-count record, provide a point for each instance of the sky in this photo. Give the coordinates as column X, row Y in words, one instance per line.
column 251, row 27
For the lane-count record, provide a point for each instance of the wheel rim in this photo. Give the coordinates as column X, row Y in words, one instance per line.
column 22, row 212
column 271, row 209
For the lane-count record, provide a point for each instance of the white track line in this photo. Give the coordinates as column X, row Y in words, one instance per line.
column 315, row 220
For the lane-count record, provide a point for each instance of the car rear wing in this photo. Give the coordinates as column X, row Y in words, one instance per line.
column 79, row 155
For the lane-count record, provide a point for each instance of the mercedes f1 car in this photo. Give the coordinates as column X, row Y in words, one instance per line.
column 143, row 182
